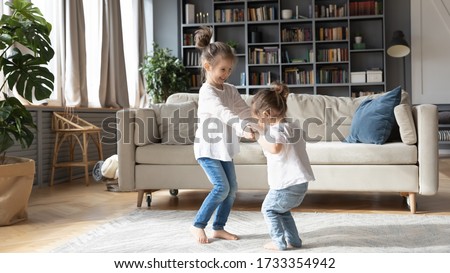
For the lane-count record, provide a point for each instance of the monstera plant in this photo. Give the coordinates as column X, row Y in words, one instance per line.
column 25, row 52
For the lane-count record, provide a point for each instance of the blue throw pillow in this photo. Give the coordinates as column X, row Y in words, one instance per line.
column 374, row 119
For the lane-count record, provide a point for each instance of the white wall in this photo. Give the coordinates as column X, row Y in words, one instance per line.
column 430, row 26
column 166, row 24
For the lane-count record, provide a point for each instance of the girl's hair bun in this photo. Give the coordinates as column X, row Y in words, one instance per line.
column 280, row 88
column 203, row 37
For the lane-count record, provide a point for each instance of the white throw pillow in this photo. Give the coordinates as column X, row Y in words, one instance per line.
column 404, row 118
column 178, row 122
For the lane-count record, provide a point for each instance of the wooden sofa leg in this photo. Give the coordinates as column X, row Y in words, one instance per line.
column 140, row 198
column 412, row 202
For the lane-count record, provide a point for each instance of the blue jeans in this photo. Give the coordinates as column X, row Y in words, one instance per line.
column 221, row 198
column 276, row 210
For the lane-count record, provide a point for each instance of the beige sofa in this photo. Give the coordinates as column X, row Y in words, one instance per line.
column 146, row 165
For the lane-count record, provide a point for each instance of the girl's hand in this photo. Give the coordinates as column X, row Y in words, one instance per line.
column 249, row 133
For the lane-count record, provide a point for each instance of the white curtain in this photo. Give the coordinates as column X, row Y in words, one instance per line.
column 88, row 38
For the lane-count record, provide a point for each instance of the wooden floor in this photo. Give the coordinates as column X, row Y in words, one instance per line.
column 67, row 210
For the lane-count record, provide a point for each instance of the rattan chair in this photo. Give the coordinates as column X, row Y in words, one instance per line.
column 70, row 128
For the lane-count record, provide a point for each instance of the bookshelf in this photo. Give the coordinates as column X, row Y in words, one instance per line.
column 314, row 51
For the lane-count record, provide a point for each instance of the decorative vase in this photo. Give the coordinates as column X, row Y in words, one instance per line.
column 358, row 39
column 16, row 183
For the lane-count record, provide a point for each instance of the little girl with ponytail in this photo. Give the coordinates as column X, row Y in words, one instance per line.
column 288, row 166
column 221, row 113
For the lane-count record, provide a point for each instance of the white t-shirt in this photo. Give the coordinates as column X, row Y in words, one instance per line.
column 221, row 114
column 291, row 165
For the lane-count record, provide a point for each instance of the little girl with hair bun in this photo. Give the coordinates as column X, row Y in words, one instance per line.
column 221, row 113
column 288, row 166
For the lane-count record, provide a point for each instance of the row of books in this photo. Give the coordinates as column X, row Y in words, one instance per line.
column 332, row 33
column 228, row 15
column 265, row 55
column 261, row 78
column 264, row 13
column 444, row 135
column 296, row 34
column 192, row 58
column 332, row 75
column 188, row 39
column 294, row 75
column 368, row 7
column 332, row 55
column 331, row 10
column 195, row 80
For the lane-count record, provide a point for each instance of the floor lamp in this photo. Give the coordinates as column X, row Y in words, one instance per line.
column 399, row 48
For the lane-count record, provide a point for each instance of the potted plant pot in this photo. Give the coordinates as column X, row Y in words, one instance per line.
column 16, row 183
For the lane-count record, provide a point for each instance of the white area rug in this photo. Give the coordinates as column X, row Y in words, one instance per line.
column 156, row 231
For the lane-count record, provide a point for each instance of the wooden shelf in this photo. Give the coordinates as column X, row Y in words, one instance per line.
column 372, row 28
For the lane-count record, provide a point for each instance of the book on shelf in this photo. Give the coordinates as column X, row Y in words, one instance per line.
column 296, row 34
column 263, row 13
column 265, row 55
column 261, row 78
column 331, row 10
column 195, row 80
column 188, row 39
column 332, row 55
column 192, row 58
column 294, row 75
column 332, row 75
column 189, row 13
column 332, row 33
column 368, row 7
column 228, row 15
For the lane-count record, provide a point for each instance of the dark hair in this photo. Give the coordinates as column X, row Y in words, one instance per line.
column 273, row 99
column 209, row 51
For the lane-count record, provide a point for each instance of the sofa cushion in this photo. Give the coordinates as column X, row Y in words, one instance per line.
column 343, row 153
column 177, row 122
column 405, row 121
column 374, row 118
column 146, row 127
column 320, row 153
column 250, row 154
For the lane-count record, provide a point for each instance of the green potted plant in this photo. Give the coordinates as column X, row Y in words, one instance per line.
column 164, row 74
column 233, row 44
column 25, row 51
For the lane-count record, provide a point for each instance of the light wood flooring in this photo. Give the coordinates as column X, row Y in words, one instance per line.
column 59, row 213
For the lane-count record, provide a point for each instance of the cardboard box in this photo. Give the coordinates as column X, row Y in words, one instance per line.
column 358, row 77
column 374, row 76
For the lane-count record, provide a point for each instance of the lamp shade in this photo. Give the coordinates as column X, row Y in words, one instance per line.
column 398, row 47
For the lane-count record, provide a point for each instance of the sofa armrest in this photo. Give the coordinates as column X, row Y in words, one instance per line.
column 426, row 121
column 126, row 149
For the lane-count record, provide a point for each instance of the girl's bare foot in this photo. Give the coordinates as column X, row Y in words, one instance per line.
column 271, row 246
column 223, row 234
column 199, row 234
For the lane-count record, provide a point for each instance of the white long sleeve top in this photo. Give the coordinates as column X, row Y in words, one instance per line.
column 291, row 166
column 221, row 115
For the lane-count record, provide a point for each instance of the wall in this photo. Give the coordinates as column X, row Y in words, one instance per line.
column 397, row 17
column 430, row 27
column 166, row 30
